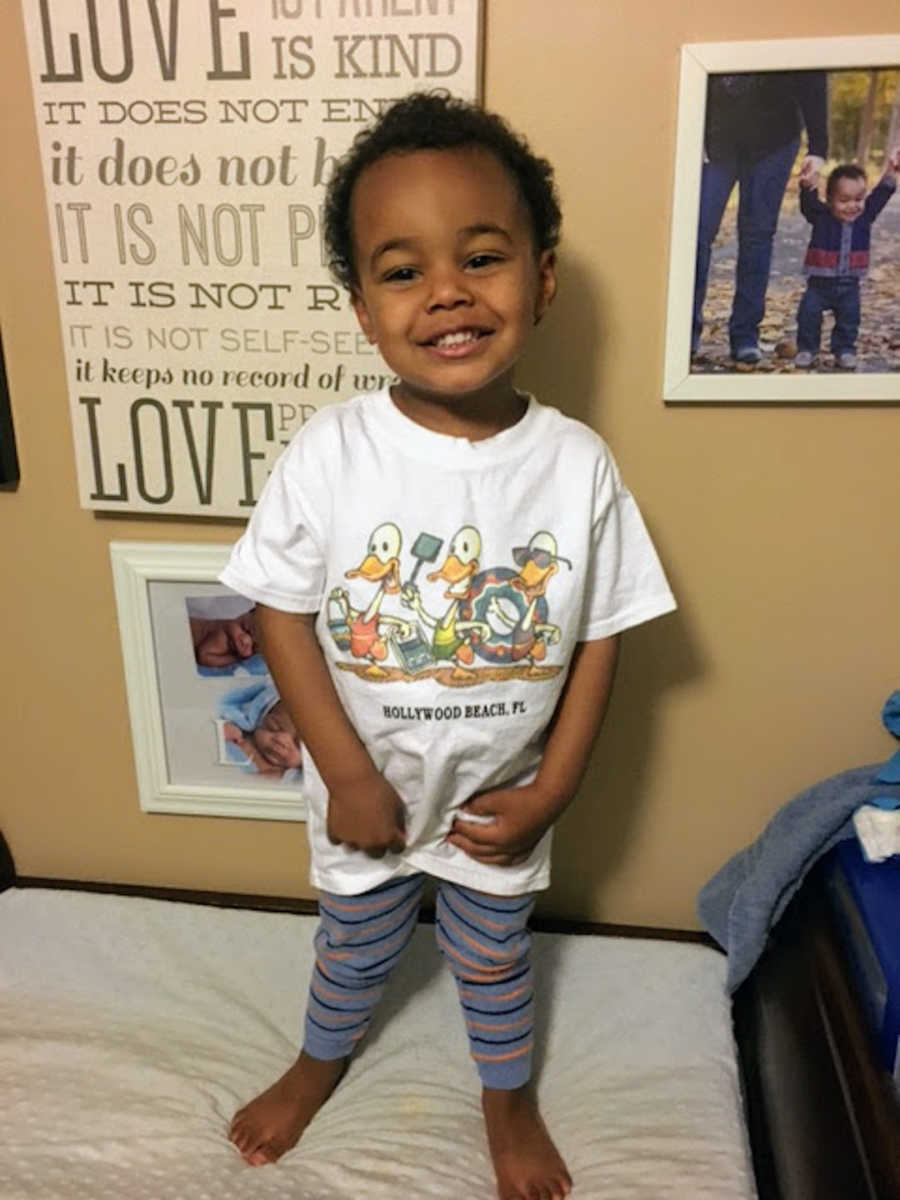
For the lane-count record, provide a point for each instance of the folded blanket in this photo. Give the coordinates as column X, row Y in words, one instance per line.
column 890, row 715
column 247, row 706
column 745, row 899
column 254, row 665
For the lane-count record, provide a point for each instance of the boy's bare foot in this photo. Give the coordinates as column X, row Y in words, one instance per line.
column 527, row 1164
column 272, row 1123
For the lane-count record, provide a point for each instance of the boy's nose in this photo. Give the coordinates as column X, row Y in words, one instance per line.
column 449, row 289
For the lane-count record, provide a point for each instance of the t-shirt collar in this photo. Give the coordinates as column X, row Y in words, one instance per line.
column 407, row 435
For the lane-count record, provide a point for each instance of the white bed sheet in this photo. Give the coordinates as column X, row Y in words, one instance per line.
column 131, row 1030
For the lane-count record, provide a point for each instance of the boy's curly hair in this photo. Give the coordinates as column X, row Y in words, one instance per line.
column 436, row 121
column 844, row 171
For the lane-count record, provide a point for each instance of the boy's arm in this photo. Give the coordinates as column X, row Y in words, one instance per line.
column 522, row 815
column 810, row 204
column 885, row 188
column 364, row 811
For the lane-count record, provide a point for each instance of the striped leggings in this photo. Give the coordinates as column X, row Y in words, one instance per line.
column 485, row 941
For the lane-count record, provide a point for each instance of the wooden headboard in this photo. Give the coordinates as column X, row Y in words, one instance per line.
column 7, row 866
column 822, row 1113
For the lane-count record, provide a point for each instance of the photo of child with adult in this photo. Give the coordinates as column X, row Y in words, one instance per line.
column 754, row 121
column 772, row 139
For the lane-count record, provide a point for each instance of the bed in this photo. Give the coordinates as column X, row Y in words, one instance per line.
column 133, row 1022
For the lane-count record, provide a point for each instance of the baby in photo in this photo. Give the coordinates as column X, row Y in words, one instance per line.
column 838, row 257
column 256, row 732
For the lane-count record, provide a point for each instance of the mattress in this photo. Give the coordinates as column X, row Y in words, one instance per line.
column 132, row 1029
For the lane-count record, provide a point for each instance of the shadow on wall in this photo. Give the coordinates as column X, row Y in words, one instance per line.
column 566, row 367
column 590, row 840
column 563, row 366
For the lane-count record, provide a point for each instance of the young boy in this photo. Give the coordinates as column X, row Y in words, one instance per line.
column 838, row 257
column 448, row 754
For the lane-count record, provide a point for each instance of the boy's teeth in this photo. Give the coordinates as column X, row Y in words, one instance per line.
column 457, row 339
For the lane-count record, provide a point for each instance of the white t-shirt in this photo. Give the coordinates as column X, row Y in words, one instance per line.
column 452, row 580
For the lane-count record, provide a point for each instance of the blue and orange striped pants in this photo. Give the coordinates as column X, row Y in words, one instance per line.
column 485, row 941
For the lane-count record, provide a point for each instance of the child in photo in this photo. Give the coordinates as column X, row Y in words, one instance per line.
column 446, row 747
column 838, row 257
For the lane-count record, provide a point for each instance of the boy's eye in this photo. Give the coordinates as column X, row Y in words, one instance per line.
column 399, row 275
column 477, row 261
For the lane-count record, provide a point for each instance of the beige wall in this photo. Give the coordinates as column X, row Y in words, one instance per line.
column 778, row 525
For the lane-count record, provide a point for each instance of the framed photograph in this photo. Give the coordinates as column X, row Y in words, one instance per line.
column 9, row 459
column 783, row 281
column 211, row 735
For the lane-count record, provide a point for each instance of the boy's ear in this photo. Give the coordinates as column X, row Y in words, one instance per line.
column 546, row 284
column 362, row 314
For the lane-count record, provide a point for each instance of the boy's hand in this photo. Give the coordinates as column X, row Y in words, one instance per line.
column 893, row 161
column 367, row 815
column 810, row 170
column 520, row 818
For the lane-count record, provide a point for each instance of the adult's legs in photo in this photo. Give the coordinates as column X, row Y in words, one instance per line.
column 761, row 191
column 716, row 182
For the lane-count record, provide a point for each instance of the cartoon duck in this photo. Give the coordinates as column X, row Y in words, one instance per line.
column 452, row 638
column 537, row 563
column 381, row 565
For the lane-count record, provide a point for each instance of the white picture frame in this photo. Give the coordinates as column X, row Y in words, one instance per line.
column 698, row 62
column 184, row 762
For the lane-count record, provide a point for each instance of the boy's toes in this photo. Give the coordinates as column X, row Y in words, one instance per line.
column 239, row 1138
column 249, row 1147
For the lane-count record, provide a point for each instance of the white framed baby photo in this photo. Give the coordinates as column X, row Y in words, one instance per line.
column 783, row 281
column 211, row 734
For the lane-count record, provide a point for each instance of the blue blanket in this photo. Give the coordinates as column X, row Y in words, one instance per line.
column 745, row 899
column 247, row 706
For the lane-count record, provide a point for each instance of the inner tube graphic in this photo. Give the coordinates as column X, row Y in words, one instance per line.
column 506, row 643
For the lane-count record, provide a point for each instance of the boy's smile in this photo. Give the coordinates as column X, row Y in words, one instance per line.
column 450, row 284
column 847, row 200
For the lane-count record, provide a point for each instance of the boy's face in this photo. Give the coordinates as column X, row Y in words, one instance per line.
column 450, row 283
column 847, row 199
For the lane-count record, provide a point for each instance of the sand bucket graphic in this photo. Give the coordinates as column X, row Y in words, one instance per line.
column 337, row 625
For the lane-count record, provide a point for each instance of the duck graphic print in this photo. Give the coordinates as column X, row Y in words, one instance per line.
column 459, row 622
